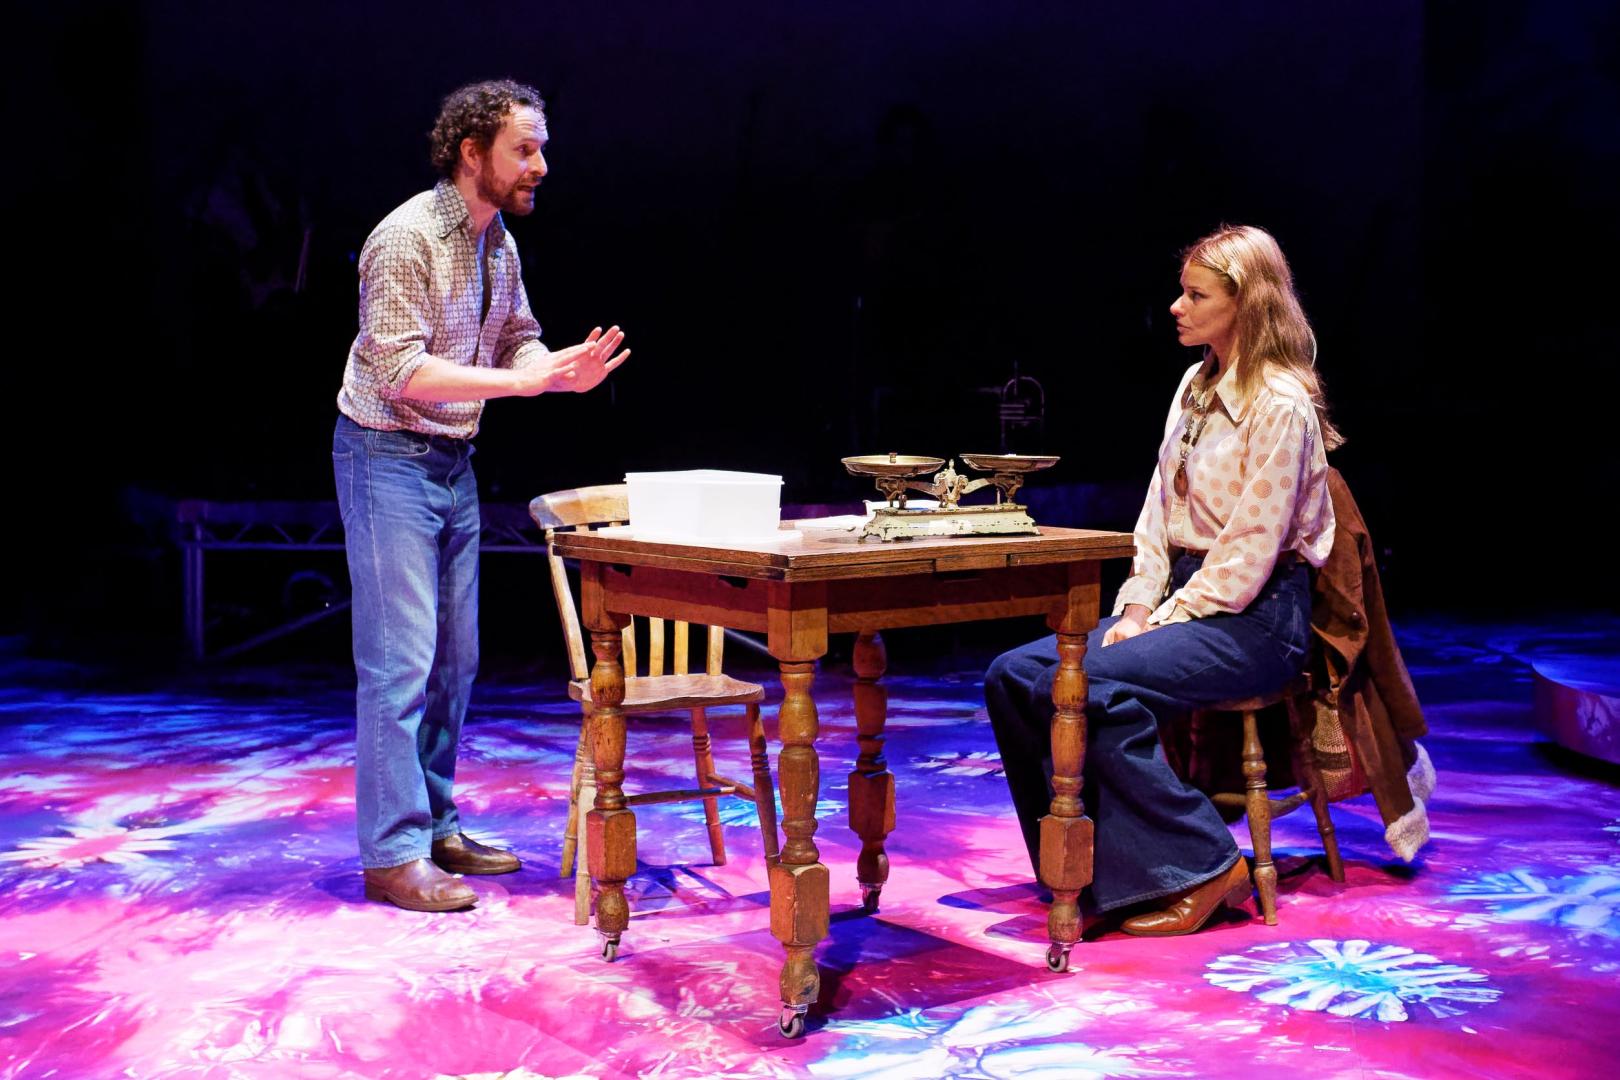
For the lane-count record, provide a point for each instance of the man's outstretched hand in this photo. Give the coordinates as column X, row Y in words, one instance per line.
column 578, row 368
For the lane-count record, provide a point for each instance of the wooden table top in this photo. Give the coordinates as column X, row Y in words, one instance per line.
column 812, row 552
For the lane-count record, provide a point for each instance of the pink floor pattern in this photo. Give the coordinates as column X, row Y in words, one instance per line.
column 181, row 898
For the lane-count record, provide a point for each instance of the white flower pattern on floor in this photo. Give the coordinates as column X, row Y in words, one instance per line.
column 972, row 763
column 1352, row 978
column 1584, row 902
column 88, row 844
column 983, row 1041
column 740, row 812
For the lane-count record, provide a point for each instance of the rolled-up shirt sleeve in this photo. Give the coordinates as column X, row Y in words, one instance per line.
column 1241, row 559
column 395, row 321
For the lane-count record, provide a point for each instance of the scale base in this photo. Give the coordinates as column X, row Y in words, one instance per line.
column 894, row 523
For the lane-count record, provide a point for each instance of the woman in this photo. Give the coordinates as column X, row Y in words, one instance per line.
column 1217, row 606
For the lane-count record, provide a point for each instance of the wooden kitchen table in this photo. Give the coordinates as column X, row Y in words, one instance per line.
column 796, row 591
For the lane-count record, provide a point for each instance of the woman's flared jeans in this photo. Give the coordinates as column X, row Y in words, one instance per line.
column 1155, row 834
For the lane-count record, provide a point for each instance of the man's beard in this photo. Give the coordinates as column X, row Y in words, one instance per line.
column 515, row 199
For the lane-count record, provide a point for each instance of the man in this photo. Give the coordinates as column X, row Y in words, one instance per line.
column 444, row 325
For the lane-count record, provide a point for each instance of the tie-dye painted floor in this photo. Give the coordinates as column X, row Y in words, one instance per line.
column 180, row 896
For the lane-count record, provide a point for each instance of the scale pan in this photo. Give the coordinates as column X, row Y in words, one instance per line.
column 893, row 465
column 1009, row 463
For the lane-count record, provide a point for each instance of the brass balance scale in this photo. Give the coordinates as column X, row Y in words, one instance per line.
column 894, row 475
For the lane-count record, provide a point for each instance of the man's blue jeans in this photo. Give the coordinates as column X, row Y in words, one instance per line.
column 1156, row 834
column 411, row 524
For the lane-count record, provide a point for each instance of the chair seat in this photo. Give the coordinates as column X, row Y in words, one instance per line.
column 1301, row 686
column 663, row 693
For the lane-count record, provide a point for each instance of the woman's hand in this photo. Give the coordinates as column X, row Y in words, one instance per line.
column 1131, row 623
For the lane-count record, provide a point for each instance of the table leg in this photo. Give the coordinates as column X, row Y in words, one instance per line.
column 799, row 881
column 611, row 825
column 871, row 785
column 1066, row 833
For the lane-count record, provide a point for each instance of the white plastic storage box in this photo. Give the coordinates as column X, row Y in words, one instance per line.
column 705, row 504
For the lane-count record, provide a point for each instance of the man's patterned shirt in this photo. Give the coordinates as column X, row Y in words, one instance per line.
column 421, row 295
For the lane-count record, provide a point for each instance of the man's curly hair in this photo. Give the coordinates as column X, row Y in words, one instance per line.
column 475, row 111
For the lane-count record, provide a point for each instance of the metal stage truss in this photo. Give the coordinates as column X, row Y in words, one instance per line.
column 206, row 526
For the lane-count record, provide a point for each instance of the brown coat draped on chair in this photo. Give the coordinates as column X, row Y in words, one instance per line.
column 1367, row 715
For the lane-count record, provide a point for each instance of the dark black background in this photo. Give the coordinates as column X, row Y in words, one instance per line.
column 827, row 228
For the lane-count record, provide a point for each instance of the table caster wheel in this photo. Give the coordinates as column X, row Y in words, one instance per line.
column 869, row 898
column 1057, row 958
column 610, row 949
column 791, row 1022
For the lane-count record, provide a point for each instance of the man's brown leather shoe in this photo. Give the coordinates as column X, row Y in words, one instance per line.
column 461, row 855
column 1193, row 908
column 419, row 886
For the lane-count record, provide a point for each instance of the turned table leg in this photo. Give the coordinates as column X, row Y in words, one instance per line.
column 871, row 785
column 799, row 887
column 611, row 825
column 797, row 632
column 1066, row 832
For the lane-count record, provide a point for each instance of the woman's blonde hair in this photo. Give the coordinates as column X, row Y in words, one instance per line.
column 1271, row 330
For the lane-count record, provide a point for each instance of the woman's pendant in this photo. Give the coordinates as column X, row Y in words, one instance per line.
column 1180, row 483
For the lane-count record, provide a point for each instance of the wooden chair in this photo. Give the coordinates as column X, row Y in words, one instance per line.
column 654, row 692
column 1260, row 807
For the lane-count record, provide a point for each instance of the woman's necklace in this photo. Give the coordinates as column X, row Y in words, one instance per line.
column 1198, row 409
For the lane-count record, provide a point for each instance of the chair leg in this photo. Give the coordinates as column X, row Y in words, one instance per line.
column 1259, row 807
column 764, row 791
column 582, row 868
column 703, row 758
column 582, row 761
column 1307, row 773
column 583, row 802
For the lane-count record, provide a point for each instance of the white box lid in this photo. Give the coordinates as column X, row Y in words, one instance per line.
column 701, row 476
